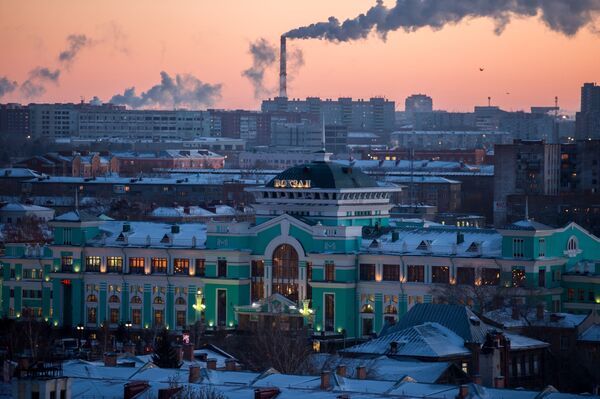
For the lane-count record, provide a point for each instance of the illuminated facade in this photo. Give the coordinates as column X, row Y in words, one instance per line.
column 308, row 246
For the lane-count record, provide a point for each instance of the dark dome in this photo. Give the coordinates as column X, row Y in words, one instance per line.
column 327, row 175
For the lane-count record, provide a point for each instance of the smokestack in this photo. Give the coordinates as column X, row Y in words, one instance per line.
column 282, row 69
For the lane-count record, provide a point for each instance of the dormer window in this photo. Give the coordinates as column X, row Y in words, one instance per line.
column 474, row 247
column 425, row 245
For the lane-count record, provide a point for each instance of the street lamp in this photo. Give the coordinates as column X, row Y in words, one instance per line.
column 128, row 328
column 80, row 329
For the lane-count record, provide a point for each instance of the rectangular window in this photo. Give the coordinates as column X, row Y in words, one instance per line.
column 465, row 275
column 92, row 263
column 391, row 273
column 136, row 265
column 181, row 266
column 581, row 295
column 159, row 265
column 367, row 272
column 114, row 315
column 542, row 278
column 258, row 268
column 518, row 277
column 222, row 268
column 200, row 268
column 180, row 318
column 114, row 264
column 158, row 317
column 92, row 315
column 542, row 247
column 67, row 236
column 490, row 276
column 66, row 264
column 415, row 273
column 257, row 290
column 329, row 271
column 136, row 317
column 570, row 294
column 517, row 247
column 329, row 312
column 440, row 274
column 367, row 326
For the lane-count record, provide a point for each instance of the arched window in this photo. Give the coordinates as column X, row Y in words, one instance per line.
column 179, row 301
column 367, row 308
column 158, row 300
column 92, row 298
column 285, row 271
column 572, row 244
column 390, row 309
column 136, row 299
column 114, row 299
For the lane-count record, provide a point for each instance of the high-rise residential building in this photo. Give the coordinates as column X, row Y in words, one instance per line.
column 14, row 119
column 418, row 103
column 374, row 115
column 588, row 118
column 524, row 167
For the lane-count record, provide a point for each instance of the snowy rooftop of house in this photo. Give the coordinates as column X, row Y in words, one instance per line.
column 441, row 241
column 180, row 211
column 188, row 179
column 430, row 340
column 17, row 207
column 187, row 153
column 93, row 379
column 420, row 179
column 421, row 166
column 503, row 317
column 18, row 172
column 143, row 234
column 383, row 367
column 528, row 224
column 592, row 334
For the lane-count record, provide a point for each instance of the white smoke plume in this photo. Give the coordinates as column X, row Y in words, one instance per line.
column 184, row 90
column 35, row 85
column 7, row 86
column 563, row 16
column 76, row 42
column 264, row 55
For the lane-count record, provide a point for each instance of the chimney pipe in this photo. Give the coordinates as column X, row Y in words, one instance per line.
column 540, row 311
column 499, row 382
column 325, row 380
column 282, row 69
column 463, row 392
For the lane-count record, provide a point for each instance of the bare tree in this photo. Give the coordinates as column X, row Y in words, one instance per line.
column 272, row 346
column 483, row 297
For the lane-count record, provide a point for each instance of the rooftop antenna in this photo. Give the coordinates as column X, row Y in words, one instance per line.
column 323, row 131
column 526, row 207
column 556, row 132
column 489, row 101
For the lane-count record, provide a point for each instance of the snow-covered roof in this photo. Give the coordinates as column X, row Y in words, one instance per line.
column 18, row 173
column 439, row 241
column 16, row 207
column 592, row 334
column 383, row 367
column 430, row 340
column 150, row 233
column 504, row 317
column 181, row 212
column 187, row 179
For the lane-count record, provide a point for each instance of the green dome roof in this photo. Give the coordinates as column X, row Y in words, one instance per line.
column 326, row 175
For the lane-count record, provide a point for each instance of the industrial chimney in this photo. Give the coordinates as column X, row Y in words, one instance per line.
column 282, row 69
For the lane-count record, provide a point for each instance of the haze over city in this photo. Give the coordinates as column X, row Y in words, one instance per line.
column 270, row 199
column 129, row 45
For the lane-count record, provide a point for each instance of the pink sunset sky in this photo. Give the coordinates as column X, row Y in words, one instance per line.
column 131, row 42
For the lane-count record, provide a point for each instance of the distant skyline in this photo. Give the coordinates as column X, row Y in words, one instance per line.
column 61, row 51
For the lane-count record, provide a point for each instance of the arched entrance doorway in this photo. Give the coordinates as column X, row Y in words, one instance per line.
column 285, row 271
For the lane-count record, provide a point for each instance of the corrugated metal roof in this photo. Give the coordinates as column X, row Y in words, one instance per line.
column 458, row 319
